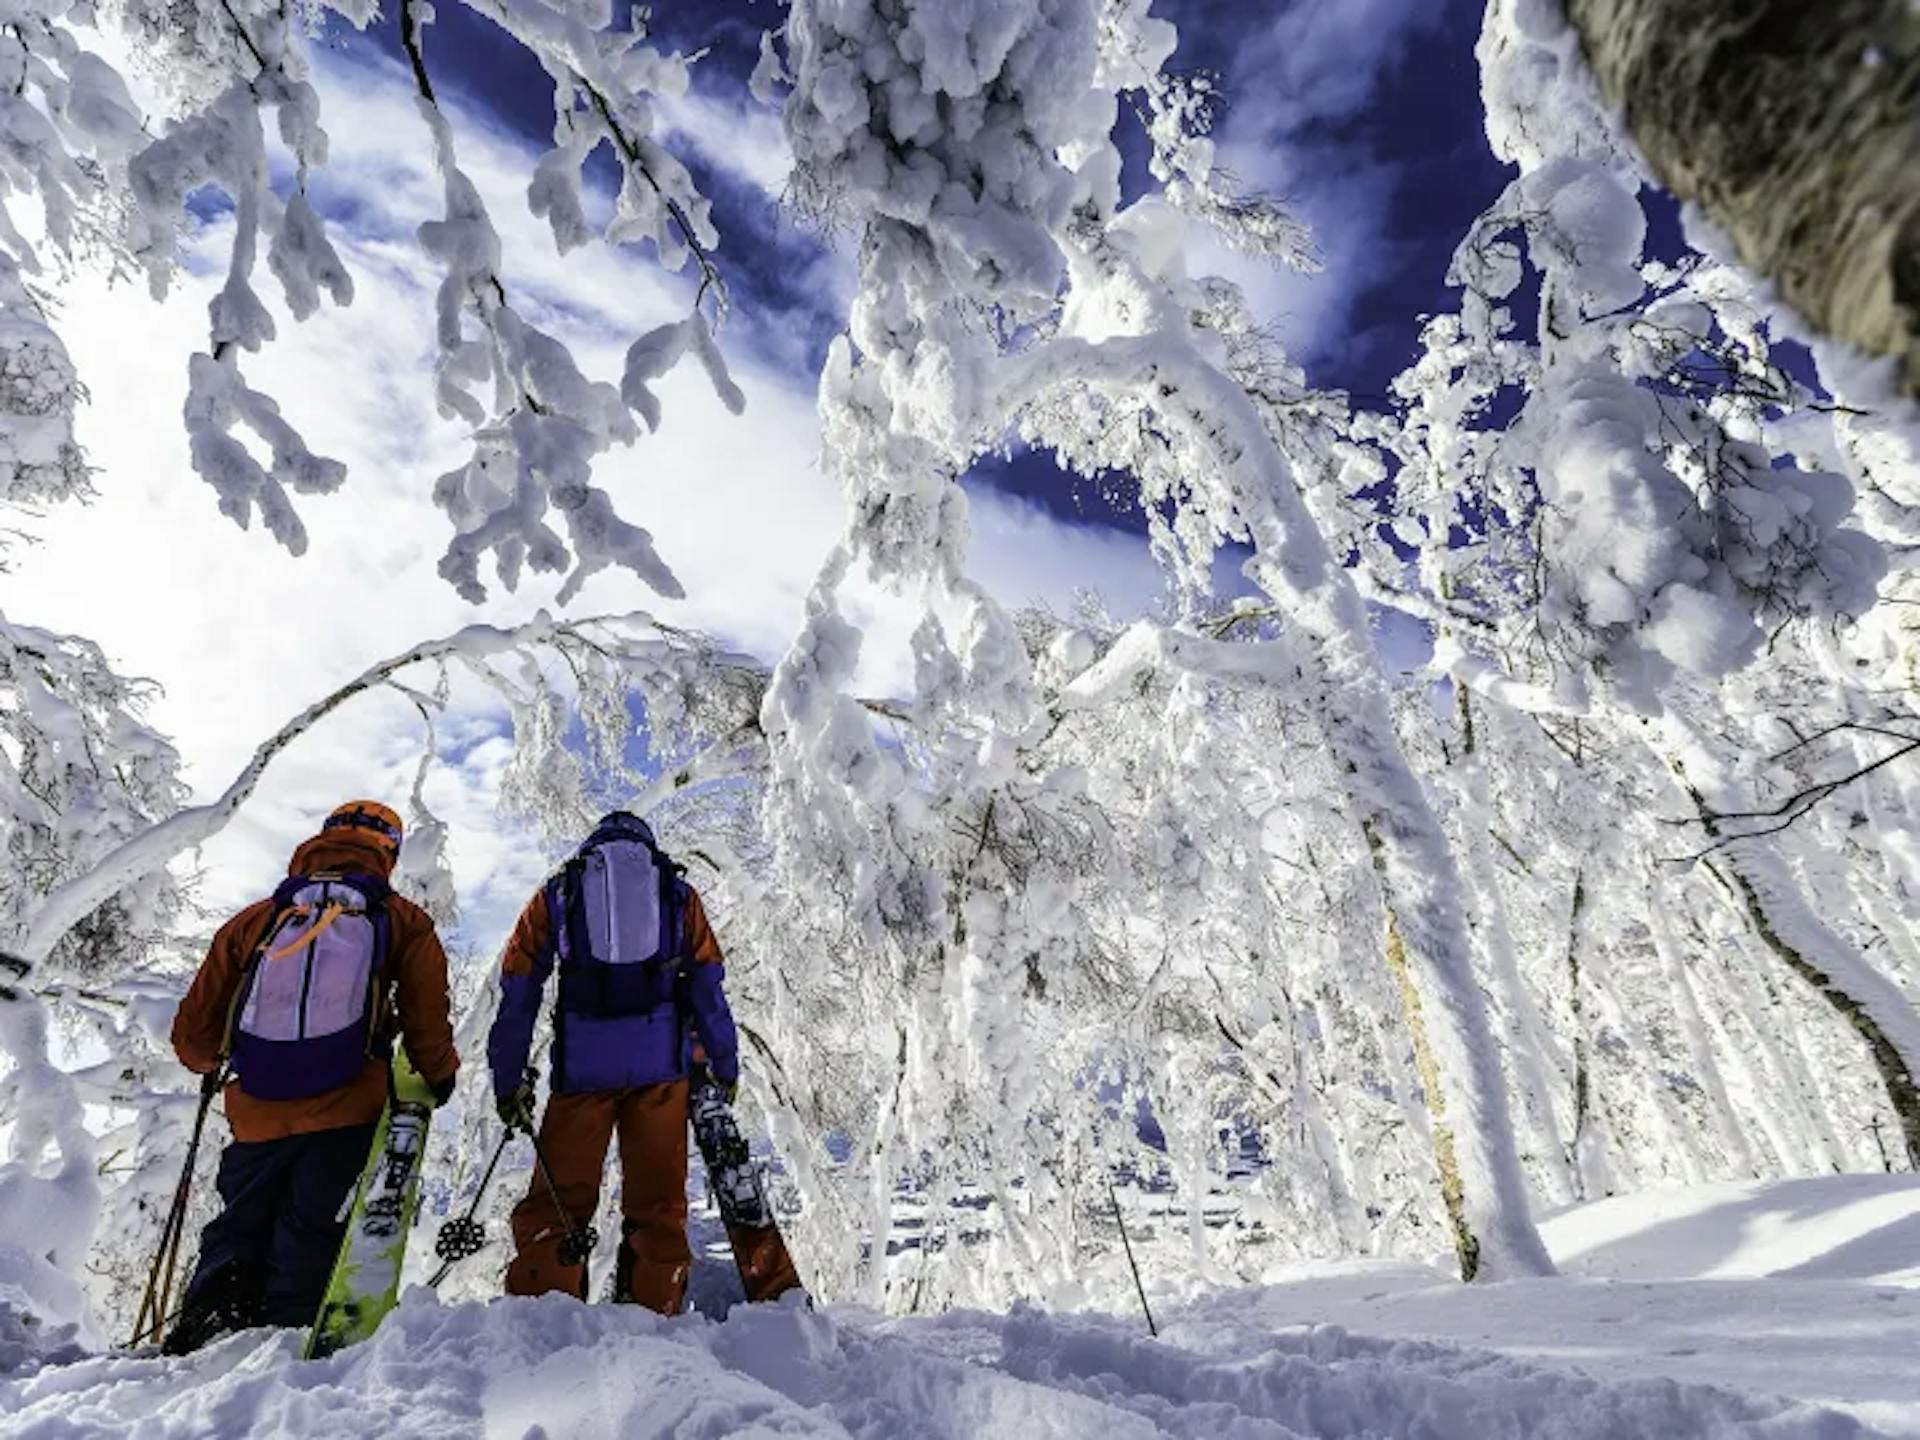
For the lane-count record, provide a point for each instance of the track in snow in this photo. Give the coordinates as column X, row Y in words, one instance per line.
column 527, row 1369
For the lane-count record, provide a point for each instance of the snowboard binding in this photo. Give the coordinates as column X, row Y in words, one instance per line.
column 732, row 1176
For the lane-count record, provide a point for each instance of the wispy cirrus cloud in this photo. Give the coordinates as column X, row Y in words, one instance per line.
column 1364, row 117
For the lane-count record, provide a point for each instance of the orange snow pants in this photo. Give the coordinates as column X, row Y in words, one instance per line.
column 652, row 1125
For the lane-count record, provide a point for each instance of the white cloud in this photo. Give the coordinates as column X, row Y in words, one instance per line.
column 745, row 138
column 1297, row 83
column 243, row 636
column 1316, row 65
column 1019, row 550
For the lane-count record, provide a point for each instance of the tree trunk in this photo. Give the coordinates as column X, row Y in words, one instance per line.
column 1796, row 126
column 1896, row 1074
column 1528, row 1042
column 1700, row 1030
column 1870, row 1003
column 1453, row 1190
column 1582, row 1078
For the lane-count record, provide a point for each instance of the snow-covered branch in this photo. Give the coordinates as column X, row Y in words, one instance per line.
column 155, row 846
column 81, row 147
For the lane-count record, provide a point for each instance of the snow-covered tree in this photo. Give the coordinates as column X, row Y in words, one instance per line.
column 1093, row 330
column 1629, row 511
column 81, row 773
column 1793, row 128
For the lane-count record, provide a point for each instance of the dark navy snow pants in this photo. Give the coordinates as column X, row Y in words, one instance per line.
column 282, row 1219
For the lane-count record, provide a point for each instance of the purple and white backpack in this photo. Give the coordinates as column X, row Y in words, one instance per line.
column 624, row 909
column 306, row 1017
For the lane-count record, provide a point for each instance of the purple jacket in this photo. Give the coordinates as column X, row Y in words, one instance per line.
column 619, row 1051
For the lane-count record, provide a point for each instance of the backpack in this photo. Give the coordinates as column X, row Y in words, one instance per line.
column 306, row 1017
column 622, row 909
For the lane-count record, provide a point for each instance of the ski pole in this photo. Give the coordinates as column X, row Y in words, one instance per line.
column 464, row 1236
column 1127, row 1245
column 159, row 1292
column 580, row 1239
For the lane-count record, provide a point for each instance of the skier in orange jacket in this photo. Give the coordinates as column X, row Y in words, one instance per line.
column 301, row 997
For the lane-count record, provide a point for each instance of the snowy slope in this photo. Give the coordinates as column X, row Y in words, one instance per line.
column 1808, row 1288
column 1803, row 1288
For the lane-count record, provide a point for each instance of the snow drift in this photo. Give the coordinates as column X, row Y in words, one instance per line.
column 528, row 1369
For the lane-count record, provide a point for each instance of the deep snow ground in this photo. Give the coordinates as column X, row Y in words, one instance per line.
column 1801, row 1288
column 1808, row 1290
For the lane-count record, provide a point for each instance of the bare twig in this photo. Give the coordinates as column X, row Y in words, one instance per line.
column 1796, row 805
column 1240, row 1045
column 410, row 39
column 1507, row 846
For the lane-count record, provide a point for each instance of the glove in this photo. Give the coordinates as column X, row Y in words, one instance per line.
column 441, row 1090
column 702, row 1076
column 516, row 1107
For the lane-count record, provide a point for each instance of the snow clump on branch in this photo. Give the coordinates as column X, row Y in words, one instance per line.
column 105, row 181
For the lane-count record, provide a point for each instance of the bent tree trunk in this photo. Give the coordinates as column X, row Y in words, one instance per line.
column 1871, row 1005
column 160, row 843
column 1775, row 918
column 1795, row 126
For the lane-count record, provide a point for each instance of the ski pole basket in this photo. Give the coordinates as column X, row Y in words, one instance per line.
column 459, row 1238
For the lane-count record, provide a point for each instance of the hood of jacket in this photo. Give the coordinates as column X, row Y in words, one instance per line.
column 356, row 851
column 620, row 826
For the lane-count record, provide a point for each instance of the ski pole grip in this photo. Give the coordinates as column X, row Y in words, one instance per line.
column 210, row 1083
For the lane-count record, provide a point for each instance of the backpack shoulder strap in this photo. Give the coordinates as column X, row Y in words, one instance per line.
column 375, row 890
column 572, row 920
column 675, row 895
column 277, row 912
column 383, row 977
column 576, row 955
column 555, row 888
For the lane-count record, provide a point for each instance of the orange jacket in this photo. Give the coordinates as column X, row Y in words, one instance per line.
column 415, row 984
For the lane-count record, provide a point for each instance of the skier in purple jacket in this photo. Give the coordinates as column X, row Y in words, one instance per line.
column 640, row 983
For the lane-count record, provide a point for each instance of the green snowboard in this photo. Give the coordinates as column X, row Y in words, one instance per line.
column 366, row 1277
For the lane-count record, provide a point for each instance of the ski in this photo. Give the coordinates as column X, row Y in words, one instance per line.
column 759, row 1251
column 366, row 1277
